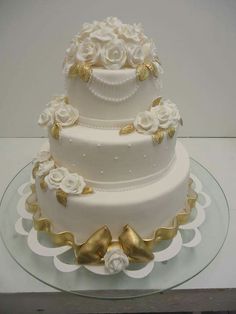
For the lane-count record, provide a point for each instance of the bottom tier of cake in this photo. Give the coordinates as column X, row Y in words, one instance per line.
column 145, row 209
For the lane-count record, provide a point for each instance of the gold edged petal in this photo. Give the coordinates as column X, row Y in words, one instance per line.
column 129, row 128
column 61, row 197
column 55, row 131
column 142, row 72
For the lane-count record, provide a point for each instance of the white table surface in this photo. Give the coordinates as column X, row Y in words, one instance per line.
column 216, row 154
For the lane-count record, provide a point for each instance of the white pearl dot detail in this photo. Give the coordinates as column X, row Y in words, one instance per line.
column 130, row 171
column 129, row 145
column 70, row 140
column 144, row 156
column 84, row 155
column 116, row 158
column 101, row 171
column 98, row 145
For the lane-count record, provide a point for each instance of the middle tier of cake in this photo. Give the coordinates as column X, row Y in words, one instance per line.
column 108, row 160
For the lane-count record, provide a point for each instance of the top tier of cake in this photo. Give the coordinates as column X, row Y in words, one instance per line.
column 112, row 72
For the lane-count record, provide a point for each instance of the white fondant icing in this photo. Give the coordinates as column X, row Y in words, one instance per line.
column 116, row 106
column 157, row 202
column 115, row 174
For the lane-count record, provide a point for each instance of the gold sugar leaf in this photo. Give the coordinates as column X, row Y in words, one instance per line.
column 66, row 99
column 142, row 72
column 35, row 169
column 43, row 184
column 156, row 102
column 55, row 131
column 158, row 137
column 61, row 197
column 150, row 66
column 87, row 190
column 84, row 71
column 73, row 71
column 129, row 128
column 93, row 250
column 171, row 132
column 181, row 121
column 134, row 246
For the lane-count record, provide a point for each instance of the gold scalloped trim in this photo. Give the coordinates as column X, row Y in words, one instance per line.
column 93, row 250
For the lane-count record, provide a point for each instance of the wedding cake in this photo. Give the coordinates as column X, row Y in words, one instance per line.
column 113, row 180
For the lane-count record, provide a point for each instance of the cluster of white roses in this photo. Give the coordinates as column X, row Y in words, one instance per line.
column 163, row 116
column 110, row 44
column 45, row 163
column 58, row 111
column 60, row 177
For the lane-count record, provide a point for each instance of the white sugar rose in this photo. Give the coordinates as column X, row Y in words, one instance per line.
column 113, row 55
column 56, row 102
column 43, row 155
column 73, row 184
column 167, row 114
column 71, row 52
column 66, row 115
column 103, row 35
column 46, row 118
column 175, row 115
column 45, row 167
column 146, row 123
column 135, row 55
column 88, row 51
column 113, row 22
column 129, row 33
column 87, row 29
column 55, row 176
column 115, row 261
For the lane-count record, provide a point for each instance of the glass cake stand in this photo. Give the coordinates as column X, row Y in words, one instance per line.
column 187, row 264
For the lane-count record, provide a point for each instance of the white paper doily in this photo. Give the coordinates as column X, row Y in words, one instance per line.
column 188, row 236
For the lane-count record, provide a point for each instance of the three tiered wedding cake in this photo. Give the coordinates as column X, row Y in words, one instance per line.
column 113, row 180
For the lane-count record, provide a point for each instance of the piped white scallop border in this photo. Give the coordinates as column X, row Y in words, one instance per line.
column 175, row 246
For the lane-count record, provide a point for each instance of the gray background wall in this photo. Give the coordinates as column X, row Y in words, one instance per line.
column 196, row 42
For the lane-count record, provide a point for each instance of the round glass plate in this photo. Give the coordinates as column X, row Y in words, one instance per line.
column 187, row 264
